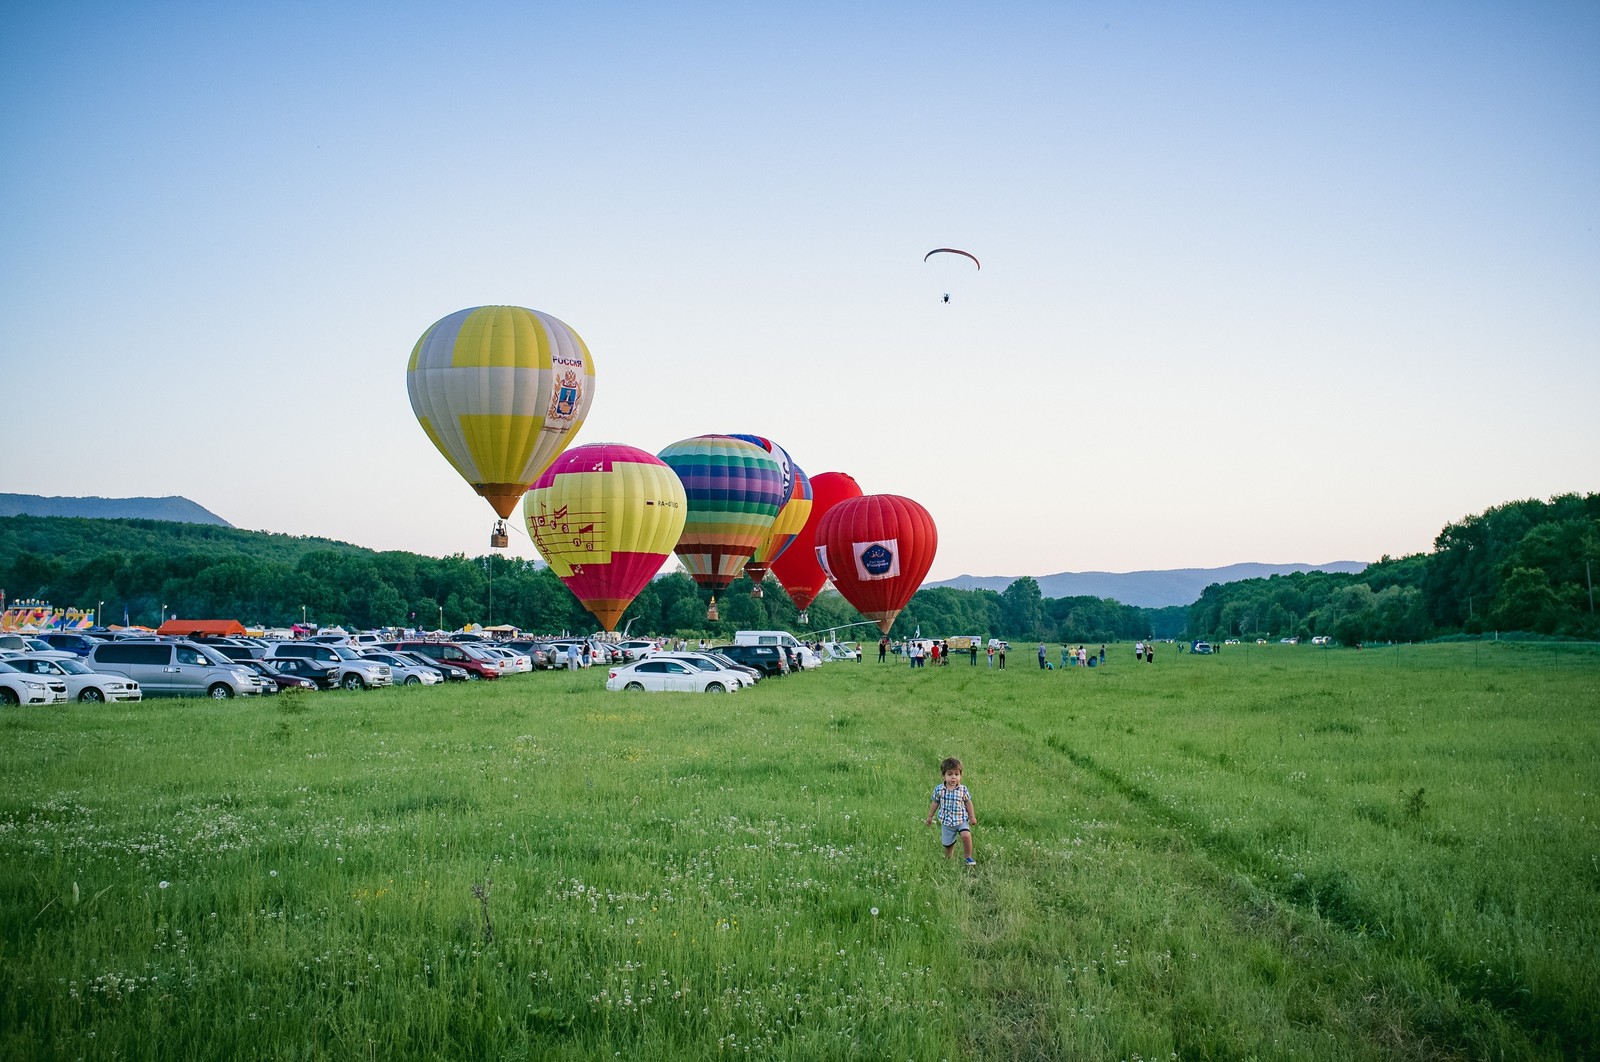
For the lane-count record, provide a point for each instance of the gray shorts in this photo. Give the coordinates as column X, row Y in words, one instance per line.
column 948, row 834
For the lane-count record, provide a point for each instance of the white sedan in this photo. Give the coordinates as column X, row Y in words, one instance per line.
column 656, row 673
column 706, row 663
column 509, row 661
column 82, row 684
column 17, row 687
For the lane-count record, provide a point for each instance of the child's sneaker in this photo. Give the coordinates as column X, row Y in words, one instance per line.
column 971, row 862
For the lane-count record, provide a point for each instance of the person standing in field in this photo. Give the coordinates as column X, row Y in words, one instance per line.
column 1102, row 655
column 1138, row 652
column 1042, row 653
column 952, row 803
column 1150, row 653
column 972, row 652
column 1002, row 656
column 991, row 658
column 883, row 648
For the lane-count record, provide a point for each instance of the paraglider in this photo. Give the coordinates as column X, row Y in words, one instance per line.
column 876, row 549
column 792, row 513
column 605, row 517
column 501, row 391
column 952, row 268
column 734, row 490
column 796, row 568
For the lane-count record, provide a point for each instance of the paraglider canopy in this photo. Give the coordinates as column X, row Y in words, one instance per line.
column 953, row 250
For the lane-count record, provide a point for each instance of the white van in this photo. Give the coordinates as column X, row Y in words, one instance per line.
column 808, row 659
column 182, row 668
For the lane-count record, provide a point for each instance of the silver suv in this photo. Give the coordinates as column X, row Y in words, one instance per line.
column 356, row 672
column 185, row 669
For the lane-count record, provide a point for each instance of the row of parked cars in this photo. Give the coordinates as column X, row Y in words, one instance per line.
column 93, row 667
column 718, row 669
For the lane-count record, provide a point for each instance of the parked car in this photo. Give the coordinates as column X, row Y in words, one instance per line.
column 658, row 674
column 768, row 659
column 82, row 683
column 405, row 670
column 356, row 672
column 509, row 661
column 181, row 668
column 451, row 653
column 17, row 688
column 236, row 650
column 282, row 680
column 636, row 649
column 537, row 652
column 706, row 662
column 323, row 676
column 728, row 662
column 448, row 672
column 70, row 641
column 1202, row 648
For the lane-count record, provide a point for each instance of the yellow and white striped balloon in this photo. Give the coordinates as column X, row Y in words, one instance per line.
column 501, row 391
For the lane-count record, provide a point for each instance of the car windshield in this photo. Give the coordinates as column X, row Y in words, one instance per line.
column 72, row 667
column 699, row 663
column 344, row 652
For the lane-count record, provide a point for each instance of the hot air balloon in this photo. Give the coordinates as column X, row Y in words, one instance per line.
column 791, row 515
column 797, row 567
column 606, row 516
column 951, row 266
column 735, row 489
column 501, row 391
column 876, row 549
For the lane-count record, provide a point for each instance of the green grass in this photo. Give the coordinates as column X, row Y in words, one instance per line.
column 1275, row 852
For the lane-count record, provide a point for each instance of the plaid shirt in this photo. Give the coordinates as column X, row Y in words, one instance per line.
column 952, row 805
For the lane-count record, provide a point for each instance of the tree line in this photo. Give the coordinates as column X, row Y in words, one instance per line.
column 1524, row 566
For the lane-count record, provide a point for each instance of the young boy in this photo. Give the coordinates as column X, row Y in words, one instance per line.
column 953, row 804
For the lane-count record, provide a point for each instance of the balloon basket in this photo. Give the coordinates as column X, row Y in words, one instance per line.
column 498, row 539
column 755, row 591
column 804, row 618
column 711, row 611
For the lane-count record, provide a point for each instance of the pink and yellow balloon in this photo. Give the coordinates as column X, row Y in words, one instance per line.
column 606, row 517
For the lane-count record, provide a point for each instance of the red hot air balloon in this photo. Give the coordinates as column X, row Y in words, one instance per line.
column 877, row 549
column 796, row 567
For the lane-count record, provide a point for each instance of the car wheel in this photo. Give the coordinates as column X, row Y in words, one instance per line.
column 715, row 687
column 634, row 687
column 353, row 682
column 9, row 698
column 220, row 692
column 412, row 680
column 91, row 695
column 473, row 676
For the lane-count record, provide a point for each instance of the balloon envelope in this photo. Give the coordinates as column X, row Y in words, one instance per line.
column 792, row 513
column 500, row 390
column 734, row 491
column 877, row 549
column 797, row 568
column 605, row 517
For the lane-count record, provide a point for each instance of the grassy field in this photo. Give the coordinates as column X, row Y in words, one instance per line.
column 1275, row 852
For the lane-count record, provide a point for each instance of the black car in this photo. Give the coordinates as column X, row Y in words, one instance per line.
column 728, row 661
column 324, row 676
column 278, row 679
column 767, row 659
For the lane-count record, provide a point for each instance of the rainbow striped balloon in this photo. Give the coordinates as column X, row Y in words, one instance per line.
column 606, row 516
column 735, row 490
column 501, row 391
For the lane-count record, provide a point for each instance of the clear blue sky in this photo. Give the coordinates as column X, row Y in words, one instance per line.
column 1262, row 282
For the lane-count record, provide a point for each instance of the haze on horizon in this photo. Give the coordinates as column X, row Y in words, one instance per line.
column 1260, row 282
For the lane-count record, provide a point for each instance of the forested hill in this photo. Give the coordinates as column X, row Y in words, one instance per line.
column 1146, row 589
column 179, row 510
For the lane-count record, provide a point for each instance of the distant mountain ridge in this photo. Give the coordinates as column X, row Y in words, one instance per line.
column 1151, row 589
column 175, row 509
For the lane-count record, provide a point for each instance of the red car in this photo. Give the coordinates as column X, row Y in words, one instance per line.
column 454, row 655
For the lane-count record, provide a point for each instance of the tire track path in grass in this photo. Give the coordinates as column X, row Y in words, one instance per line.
column 1330, row 898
